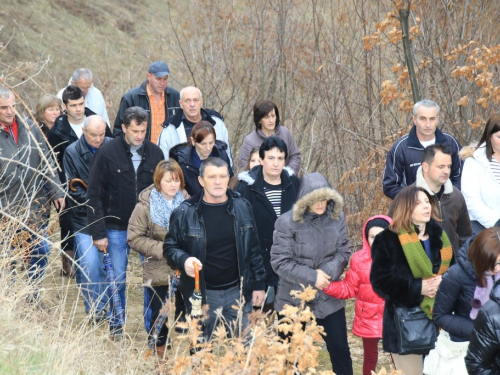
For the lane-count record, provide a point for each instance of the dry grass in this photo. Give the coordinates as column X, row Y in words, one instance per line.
column 59, row 339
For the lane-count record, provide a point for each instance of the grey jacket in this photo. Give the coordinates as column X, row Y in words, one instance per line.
column 304, row 242
column 26, row 180
column 255, row 139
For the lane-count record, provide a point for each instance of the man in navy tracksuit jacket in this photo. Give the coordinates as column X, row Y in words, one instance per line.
column 405, row 155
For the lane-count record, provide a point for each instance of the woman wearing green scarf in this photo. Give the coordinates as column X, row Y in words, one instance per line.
column 408, row 260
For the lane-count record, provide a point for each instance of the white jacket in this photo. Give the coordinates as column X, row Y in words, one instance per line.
column 93, row 101
column 171, row 136
column 479, row 187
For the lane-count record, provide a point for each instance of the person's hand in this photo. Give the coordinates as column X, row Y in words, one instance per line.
column 188, row 265
column 59, row 203
column 322, row 280
column 430, row 286
column 258, row 297
column 101, row 244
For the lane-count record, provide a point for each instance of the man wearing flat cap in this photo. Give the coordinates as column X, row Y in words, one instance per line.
column 153, row 95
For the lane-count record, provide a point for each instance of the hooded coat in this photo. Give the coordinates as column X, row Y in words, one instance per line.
column 369, row 308
column 147, row 239
column 392, row 279
column 304, row 242
column 479, row 187
column 452, row 306
column 483, row 356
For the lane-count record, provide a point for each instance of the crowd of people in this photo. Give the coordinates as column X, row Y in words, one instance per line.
column 162, row 182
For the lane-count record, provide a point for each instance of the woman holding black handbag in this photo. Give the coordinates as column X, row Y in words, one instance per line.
column 408, row 260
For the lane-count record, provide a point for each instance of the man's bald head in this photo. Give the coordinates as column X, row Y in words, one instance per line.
column 94, row 130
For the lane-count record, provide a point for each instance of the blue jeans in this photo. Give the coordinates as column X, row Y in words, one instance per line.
column 90, row 274
column 118, row 251
column 39, row 255
column 224, row 299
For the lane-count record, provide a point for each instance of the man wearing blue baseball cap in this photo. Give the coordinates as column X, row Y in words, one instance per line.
column 153, row 95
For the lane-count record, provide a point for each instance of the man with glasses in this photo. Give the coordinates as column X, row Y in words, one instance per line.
column 94, row 100
column 177, row 128
column 154, row 96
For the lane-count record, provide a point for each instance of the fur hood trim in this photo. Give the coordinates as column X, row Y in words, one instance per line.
column 250, row 176
column 328, row 193
column 420, row 182
column 467, row 151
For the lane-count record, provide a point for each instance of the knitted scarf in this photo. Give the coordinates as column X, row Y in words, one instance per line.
column 420, row 264
column 161, row 209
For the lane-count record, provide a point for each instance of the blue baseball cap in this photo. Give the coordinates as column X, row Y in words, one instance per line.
column 159, row 69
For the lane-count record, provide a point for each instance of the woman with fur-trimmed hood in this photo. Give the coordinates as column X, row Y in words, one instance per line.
column 481, row 177
column 311, row 247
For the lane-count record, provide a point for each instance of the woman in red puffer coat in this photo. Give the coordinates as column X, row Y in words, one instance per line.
column 369, row 308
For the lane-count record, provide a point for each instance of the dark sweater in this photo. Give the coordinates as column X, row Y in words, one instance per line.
column 221, row 263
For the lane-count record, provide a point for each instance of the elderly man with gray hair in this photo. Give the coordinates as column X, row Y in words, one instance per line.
column 28, row 180
column 405, row 156
column 90, row 274
column 177, row 128
column 94, row 100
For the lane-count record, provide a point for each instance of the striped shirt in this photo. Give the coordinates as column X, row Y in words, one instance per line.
column 495, row 169
column 157, row 114
column 273, row 194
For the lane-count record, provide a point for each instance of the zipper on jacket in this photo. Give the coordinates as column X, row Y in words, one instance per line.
column 237, row 250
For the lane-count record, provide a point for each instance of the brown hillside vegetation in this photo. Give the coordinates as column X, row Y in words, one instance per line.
column 335, row 68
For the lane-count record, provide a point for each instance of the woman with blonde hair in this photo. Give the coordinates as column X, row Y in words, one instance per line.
column 146, row 233
column 47, row 110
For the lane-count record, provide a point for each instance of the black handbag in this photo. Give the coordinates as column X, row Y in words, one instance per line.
column 417, row 333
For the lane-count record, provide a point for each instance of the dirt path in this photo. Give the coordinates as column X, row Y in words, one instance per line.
column 61, row 291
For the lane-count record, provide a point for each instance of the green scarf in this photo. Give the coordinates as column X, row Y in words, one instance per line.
column 420, row 264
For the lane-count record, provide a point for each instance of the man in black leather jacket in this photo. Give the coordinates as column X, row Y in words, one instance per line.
column 215, row 230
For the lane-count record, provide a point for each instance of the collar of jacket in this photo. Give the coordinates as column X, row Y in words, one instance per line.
column 63, row 128
column 21, row 129
column 413, row 141
column 197, row 201
column 206, row 114
column 141, row 150
column 420, row 182
column 82, row 148
column 255, row 177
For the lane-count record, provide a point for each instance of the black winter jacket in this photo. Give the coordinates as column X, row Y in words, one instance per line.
column 453, row 300
column 61, row 135
column 392, row 279
column 483, row 356
column 405, row 156
column 182, row 154
column 186, row 238
column 251, row 187
column 76, row 164
column 114, row 185
column 138, row 96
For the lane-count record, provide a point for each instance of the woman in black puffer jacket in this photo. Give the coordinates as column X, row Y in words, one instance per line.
column 483, row 356
column 467, row 285
column 201, row 145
